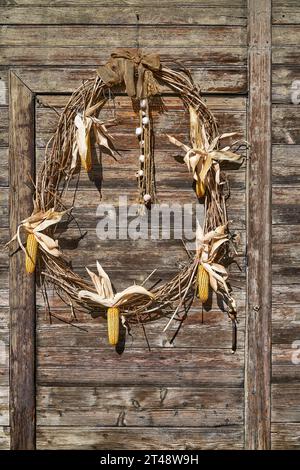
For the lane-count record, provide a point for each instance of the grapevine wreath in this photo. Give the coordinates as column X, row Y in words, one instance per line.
column 69, row 149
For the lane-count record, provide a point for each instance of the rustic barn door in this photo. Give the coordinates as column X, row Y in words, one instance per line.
column 68, row 388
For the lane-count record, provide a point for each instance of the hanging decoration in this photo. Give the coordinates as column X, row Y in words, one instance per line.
column 70, row 148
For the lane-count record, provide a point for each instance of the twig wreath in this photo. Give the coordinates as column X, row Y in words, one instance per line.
column 70, row 148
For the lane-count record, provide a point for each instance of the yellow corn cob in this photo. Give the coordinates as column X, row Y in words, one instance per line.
column 200, row 188
column 113, row 318
column 203, row 284
column 31, row 253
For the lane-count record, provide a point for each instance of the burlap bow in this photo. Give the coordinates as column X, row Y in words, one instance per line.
column 122, row 67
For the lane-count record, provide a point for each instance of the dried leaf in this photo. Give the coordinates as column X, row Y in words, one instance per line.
column 122, row 297
column 103, row 140
column 75, row 153
column 204, row 138
column 83, row 140
column 106, row 284
column 52, row 217
column 219, row 268
column 205, row 167
column 178, row 143
column 213, row 283
column 225, row 155
column 216, row 245
column 49, row 245
column 85, row 294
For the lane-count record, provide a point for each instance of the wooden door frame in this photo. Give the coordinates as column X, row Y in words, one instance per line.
column 24, row 85
column 259, row 230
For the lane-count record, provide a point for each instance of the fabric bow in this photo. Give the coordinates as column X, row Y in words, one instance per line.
column 122, row 67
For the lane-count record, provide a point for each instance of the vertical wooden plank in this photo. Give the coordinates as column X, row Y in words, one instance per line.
column 22, row 286
column 258, row 322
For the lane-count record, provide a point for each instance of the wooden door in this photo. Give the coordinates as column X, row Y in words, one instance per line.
column 193, row 394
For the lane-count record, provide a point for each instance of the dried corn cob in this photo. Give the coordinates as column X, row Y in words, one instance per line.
column 113, row 318
column 31, row 253
column 203, row 284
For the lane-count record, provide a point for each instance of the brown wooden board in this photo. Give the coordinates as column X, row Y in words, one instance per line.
column 190, row 394
column 22, row 286
column 258, row 319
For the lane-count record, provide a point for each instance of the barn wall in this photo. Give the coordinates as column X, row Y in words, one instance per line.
column 190, row 395
column 286, row 228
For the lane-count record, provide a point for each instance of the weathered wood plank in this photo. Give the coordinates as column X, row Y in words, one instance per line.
column 99, row 377
column 285, row 165
column 286, row 35
column 285, row 403
column 281, row 235
column 4, row 167
column 284, row 369
column 56, row 437
column 122, row 36
column 123, row 14
column 285, row 254
column 285, row 124
column 136, row 366
column 4, row 438
column 22, row 304
column 285, row 333
column 222, row 102
column 217, row 79
column 285, row 207
column 286, row 294
column 139, row 406
column 282, row 79
column 136, row 3
column 4, row 399
column 212, row 316
column 95, row 335
column 286, row 436
column 91, row 56
column 285, row 43
column 285, row 12
column 258, row 319
column 285, row 56
column 158, row 359
column 285, row 313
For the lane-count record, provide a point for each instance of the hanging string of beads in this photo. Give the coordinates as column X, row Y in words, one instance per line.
column 145, row 174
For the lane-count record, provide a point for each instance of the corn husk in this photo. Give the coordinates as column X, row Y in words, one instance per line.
column 104, row 293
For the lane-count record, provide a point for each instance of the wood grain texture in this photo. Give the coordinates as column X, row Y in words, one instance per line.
column 114, row 14
column 122, row 36
column 4, row 438
column 286, row 436
column 4, row 412
column 118, row 438
column 285, row 165
column 218, row 78
column 285, row 403
column 258, row 319
column 135, row 3
column 285, row 12
column 282, row 79
column 91, row 56
column 285, row 41
column 136, row 366
column 22, row 290
column 139, row 406
column 285, row 124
